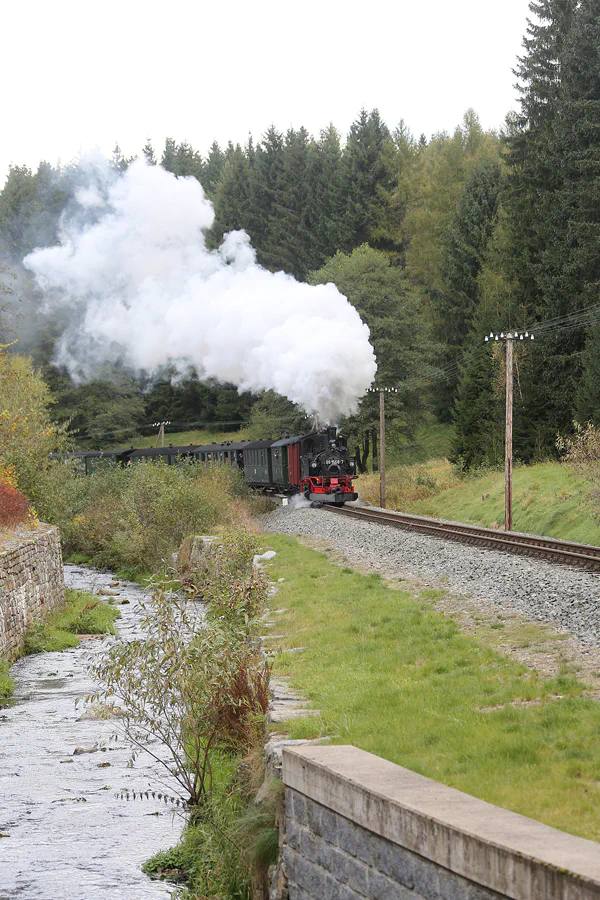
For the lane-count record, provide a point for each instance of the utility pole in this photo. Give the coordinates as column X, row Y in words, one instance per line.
column 508, row 441
column 381, row 450
column 161, row 432
column 381, row 391
column 509, row 338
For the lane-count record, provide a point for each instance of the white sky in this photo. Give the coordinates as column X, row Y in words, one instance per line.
column 80, row 74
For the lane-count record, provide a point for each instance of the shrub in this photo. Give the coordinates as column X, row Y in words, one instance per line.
column 134, row 518
column 15, row 508
column 197, row 687
column 27, row 433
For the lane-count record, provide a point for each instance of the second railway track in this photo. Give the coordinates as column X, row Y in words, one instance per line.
column 557, row 551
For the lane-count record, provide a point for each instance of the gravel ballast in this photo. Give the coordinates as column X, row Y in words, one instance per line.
column 562, row 596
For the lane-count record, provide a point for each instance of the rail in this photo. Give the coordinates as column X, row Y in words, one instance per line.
column 563, row 552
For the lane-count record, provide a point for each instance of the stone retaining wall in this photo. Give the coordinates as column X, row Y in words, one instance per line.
column 31, row 585
column 360, row 827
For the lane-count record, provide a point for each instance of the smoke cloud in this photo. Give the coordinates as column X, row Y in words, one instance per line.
column 134, row 273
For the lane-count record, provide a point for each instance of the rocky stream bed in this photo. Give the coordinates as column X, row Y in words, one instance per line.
column 64, row 832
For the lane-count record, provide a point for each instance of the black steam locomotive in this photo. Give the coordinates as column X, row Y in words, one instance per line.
column 316, row 465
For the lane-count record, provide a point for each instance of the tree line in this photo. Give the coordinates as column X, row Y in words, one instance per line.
column 435, row 240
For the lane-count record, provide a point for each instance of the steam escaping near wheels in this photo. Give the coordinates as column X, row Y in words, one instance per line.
column 140, row 286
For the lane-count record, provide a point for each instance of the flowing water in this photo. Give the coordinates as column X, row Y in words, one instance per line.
column 64, row 835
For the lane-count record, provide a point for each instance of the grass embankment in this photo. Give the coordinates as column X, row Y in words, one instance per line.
column 197, row 437
column 82, row 613
column 393, row 676
column 547, row 498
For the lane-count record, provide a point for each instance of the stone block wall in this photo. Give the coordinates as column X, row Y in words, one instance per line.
column 31, row 585
column 331, row 857
column 360, row 828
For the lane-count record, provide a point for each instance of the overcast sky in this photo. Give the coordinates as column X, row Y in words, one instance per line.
column 81, row 74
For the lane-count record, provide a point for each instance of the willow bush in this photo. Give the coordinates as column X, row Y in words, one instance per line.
column 198, row 681
column 134, row 518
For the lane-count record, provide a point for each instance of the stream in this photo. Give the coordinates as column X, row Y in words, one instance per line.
column 64, row 834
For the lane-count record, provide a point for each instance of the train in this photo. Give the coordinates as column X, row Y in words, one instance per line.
column 316, row 466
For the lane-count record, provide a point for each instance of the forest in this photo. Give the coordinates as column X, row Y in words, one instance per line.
column 435, row 240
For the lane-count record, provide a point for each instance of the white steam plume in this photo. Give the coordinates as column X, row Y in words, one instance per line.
column 142, row 286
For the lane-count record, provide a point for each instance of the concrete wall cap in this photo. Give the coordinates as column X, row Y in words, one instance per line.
column 500, row 849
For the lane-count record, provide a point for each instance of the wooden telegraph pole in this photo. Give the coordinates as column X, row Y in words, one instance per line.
column 161, row 432
column 381, row 450
column 508, row 442
column 381, row 392
column 509, row 338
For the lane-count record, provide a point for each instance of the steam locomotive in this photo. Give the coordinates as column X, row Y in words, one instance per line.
column 315, row 465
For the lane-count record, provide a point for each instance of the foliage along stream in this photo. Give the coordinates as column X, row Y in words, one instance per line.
column 64, row 834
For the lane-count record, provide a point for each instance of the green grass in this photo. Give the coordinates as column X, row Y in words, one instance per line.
column 81, row 614
column 390, row 674
column 547, row 499
column 7, row 685
column 185, row 438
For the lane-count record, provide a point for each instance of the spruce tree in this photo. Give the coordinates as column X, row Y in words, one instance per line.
column 536, row 219
column 148, row 152
column 366, row 173
column 232, row 195
column 188, row 161
column 572, row 261
column 464, row 245
column 266, row 184
column 213, row 167
column 289, row 234
column 390, row 230
column 117, row 161
column 167, row 159
column 479, row 431
column 325, row 212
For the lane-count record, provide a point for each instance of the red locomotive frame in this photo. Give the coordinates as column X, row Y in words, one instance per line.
column 328, row 489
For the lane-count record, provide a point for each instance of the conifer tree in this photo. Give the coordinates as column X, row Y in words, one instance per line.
column 188, row 161
column 464, row 245
column 479, row 432
column 390, row 230
column 212, row 169
column 571, row 271
column 325, row 212
column 365, row 174
column 118, row 162
column 232, row 195
column 266, row 185
column 289, row 234
column 148, row 152
column 533, row 185
column 167, row 159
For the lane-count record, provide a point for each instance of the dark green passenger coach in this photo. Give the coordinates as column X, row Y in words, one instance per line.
column 257, row 462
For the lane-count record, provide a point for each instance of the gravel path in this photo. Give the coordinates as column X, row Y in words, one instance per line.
column 540, row 591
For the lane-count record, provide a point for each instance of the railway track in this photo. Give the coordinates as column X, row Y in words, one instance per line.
column 562, row 552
